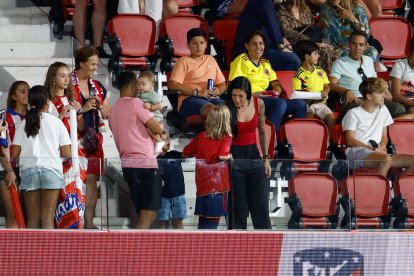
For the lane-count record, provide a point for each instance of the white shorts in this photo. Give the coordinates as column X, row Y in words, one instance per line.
column 356, row 157
column 320, row 109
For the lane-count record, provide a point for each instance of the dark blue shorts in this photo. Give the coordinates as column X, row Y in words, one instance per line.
column 193, row 105
column 211, row 206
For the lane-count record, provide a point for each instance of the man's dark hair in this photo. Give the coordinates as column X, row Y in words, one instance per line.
column 305, row 47
column 358, row 33
column 125, row 78
column 412, row 45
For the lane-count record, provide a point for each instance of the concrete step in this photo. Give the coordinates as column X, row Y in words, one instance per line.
column 35, row 62
column 24, row 19
column 26, row 33
column 11, row 12
column 7, row 4
column 24, row 50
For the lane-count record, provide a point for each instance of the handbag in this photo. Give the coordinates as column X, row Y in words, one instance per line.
column 89, row 140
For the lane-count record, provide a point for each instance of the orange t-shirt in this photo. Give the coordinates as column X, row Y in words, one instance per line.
column 195, row 73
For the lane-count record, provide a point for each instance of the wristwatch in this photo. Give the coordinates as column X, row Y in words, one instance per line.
column 355, row 22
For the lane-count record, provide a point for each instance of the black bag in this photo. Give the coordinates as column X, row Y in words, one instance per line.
column 312, row 31
column 375, row 43
column 89, row 140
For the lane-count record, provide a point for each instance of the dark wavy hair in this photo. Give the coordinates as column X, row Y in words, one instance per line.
column 241, row 83
column 11, row 103
column 258, row 33
column 38, row 97
column 83, row 54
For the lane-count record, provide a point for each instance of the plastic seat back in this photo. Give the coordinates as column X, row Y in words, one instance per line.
column 136, row 33
column 285, row 79
column 404, row 187
column 224, row 31
column 307, row 137
column 401, row 134
column 371, row 194
column 176, row 28
column 394, row 33
column 271, row 139
column 391, row 4
column 317, row 193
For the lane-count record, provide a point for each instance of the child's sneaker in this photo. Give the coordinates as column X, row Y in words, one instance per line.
column 158, row 147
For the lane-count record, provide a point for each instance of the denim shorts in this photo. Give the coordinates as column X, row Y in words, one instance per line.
column 193, row 105
column 173, row 208
column 38, row 178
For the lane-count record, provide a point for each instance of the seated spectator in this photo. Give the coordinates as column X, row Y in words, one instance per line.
column 173, row 203
column 313, row 79
column 402, row 80
column 261, row 15
column 297, row 23
column 365, row 130
column 349, row 71
column 339, row 18
column 258, row 70
column 191, row 74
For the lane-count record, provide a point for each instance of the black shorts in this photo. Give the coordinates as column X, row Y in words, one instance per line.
column 145, row 188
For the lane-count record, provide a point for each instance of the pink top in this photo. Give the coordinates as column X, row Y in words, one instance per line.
column 127, row 123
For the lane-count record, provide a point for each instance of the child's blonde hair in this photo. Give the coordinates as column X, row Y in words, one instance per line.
column 218, row 122
column 148, row 75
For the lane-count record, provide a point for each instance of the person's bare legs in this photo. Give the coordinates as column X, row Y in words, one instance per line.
column 79, row 21
column 32, row 200
column 403, row 161
column 91, row 198
column 380, row 162
column 48, row 200
column 374, row 7
column 98, row 21
column 330, row 121
column 169, row 7
column 5, row 196
column 177, row 224
column 146, row 217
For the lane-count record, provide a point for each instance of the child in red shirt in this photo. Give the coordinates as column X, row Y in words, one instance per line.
column 211, row 148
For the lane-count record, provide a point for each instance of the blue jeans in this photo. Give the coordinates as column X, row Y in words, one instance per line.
column 193, row 105
column 282, row 61
column 276, row 109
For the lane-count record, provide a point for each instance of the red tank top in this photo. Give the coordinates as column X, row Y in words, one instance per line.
column 246, row 131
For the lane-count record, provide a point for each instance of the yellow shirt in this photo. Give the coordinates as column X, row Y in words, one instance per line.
column 259, row 76
column 314, row 81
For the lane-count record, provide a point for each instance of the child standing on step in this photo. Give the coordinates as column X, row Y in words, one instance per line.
column 211, row 149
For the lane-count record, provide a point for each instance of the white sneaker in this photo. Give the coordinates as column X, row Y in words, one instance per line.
column 158, row 147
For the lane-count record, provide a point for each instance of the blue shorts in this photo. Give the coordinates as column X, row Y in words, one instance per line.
column 2, row 177
column 193, row 105
column 38, row 178
column 173, row 208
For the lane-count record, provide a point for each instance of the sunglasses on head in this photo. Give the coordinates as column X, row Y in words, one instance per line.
column 361, row 72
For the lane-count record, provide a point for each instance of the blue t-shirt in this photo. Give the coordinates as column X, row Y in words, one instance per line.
column 172, row 174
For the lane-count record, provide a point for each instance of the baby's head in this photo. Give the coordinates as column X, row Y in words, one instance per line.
column 145, row 82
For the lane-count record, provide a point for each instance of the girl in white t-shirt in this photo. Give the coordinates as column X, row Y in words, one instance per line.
column 39, row 143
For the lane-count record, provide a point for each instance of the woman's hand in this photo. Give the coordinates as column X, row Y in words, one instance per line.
column 65, row 111
column 346, row 14
column 268, row 169
column 77, row 106
column 89, row 105
column 325, row 45
column 10, row 179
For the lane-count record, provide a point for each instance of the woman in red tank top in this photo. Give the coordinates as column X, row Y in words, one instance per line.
column 249, row 171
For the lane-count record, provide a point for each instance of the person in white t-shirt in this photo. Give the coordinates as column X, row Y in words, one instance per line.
column 365, row 130
column 39, row 143
column 402, row 80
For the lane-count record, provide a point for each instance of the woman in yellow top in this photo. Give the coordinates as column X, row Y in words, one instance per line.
column 258, row 70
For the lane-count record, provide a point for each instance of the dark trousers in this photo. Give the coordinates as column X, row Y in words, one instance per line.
column 250, row 188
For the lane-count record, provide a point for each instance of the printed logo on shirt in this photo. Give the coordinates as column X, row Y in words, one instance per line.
column 319, row 73
column 267, row 73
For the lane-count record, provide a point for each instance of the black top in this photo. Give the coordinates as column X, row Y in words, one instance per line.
column 172, row 174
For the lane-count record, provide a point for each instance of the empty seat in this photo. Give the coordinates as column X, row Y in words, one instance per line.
column 224, row 31
column 401, row 134
column 313, row 200
column 404, row 202
column 365, row 200
column 134, row 37
column 271, row 139
column 285, row 79
column 394, row 33
column 173, row 37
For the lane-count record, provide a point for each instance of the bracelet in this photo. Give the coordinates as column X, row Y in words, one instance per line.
column 266, row 156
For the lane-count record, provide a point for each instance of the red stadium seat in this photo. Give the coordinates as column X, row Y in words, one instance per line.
column 365, row 199
column 173, row 36
column 285, row 79
column 224, row 32
column 401, row 134
column 135, row 37
column 394, row 33
column 384, row 75
column 271, row 139
column 313, row 200
column 404, row 202
column 388, row 5
column 305, row 142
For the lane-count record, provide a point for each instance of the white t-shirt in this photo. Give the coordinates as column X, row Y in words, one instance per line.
column 403, row 71
column 367, row 126
column 42, row 150
column 345, row 70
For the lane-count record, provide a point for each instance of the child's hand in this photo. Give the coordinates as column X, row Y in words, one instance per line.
column 324, row 95
column 147, row 106
column 77, row 106
column 5, row 127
